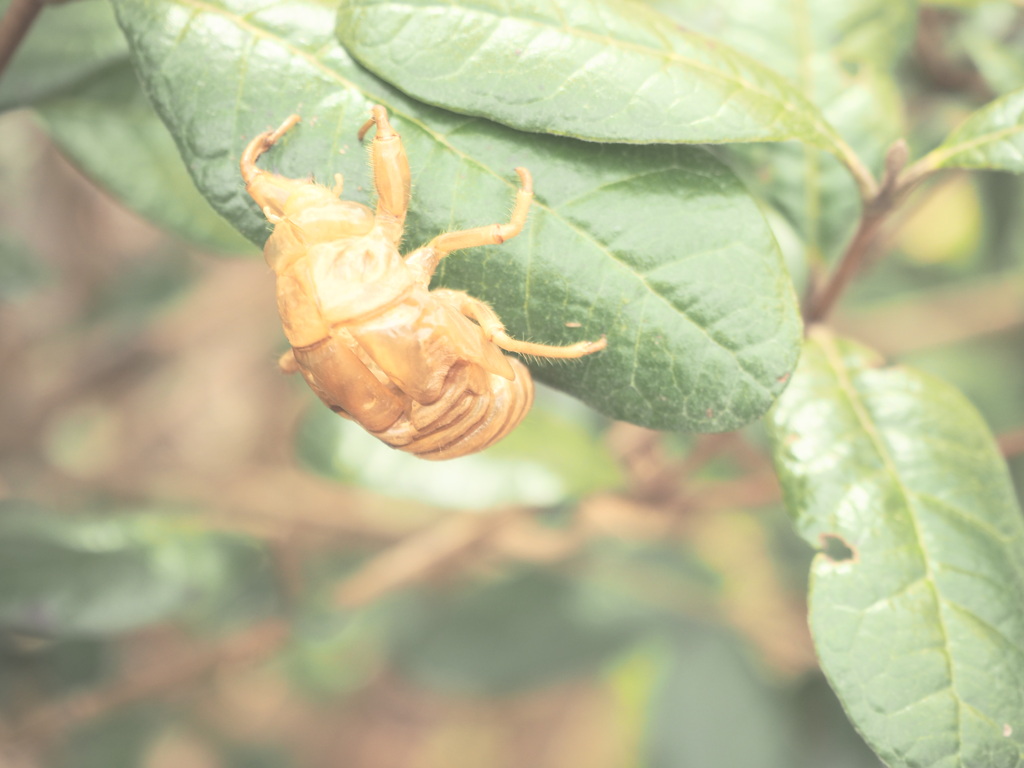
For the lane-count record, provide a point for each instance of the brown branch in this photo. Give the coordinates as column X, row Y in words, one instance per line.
column 876, row 210
column 419, row 555
column 1011, row 443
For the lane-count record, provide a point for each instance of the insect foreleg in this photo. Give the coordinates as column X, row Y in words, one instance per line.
column 495, row 332
column 390, row 175
column 270, row 190
column 261, row 144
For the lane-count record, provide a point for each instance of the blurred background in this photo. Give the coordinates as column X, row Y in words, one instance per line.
column 201, row 566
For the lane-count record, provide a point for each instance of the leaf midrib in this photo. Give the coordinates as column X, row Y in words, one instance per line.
column 867, row 424
column 822, row 128
column 942, row 155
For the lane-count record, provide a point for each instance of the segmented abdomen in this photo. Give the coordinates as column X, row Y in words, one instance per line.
column 465, row 410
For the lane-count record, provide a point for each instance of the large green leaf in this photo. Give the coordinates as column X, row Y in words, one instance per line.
column 67, row 45
column 604, row 70
column 992, row 137
column 659, row 248
column 916, row 599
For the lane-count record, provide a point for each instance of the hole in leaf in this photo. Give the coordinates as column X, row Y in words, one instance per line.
column 836, row 549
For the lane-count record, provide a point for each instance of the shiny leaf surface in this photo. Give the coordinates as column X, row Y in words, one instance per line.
column 604, row 70
column 915, row 598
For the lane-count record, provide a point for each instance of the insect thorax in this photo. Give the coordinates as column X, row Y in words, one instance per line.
column 311, row 216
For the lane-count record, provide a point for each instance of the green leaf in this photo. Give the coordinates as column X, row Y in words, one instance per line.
column 796, row 40
column 67, row 45
column 811, row 188
column 547, row 460
column 108, row 128
column 992, row 137
column 840, row 56
column 915, row 600
column 84, row 576
column 659, row 248
column 602, row 70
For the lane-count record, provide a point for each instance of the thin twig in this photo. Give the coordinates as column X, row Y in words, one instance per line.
column 14, row 25
column 1011, row 443
column 419, row 555
column 861, row 175
column 876, row 210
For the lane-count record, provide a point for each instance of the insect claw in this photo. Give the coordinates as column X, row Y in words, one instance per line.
column 366, row 126
column 290, row 122
column 380, row 118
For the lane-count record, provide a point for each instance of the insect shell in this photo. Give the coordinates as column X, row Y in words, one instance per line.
column 422, row 370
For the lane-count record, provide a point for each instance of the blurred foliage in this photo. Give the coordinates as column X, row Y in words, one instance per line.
column 548, row 460
column 98, row 576
column 202, row 567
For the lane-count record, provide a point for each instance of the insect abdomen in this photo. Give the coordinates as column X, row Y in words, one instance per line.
column 474, row 410
column 474, row 416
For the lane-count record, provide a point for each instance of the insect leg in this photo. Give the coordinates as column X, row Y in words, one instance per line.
column 423, row 261
column 494, row 234
column 390, row 175
column 269, row 190
column 493, row 328
column 287, row 362
column 261, row 144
